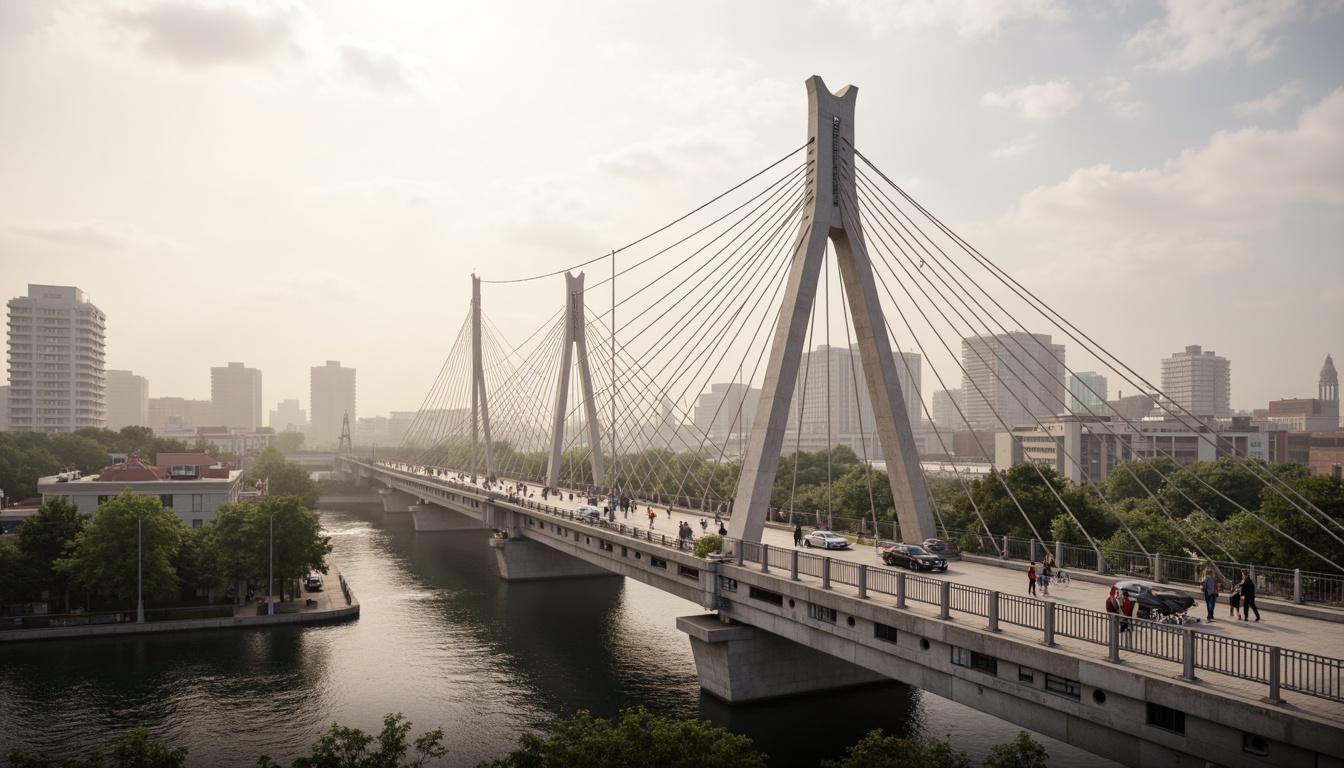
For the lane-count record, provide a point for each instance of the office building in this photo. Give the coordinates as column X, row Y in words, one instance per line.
column 1011, row 378
column 726, row 412
column 127, row 400
column 288, row 417
column 947, row 414
column 178, row 413
column 332, row 398
column 56, row 369
column 235, row 392
column 1199, row 382
column 1087, row 393
column 831, row 405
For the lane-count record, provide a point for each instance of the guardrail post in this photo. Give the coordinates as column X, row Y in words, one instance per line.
column 1297, row 586
column 863, row 581
column 793, row 564
column 945, row 600
column 1188, row 654
column 1004, row 551
column 1113, row 638
column 900, row 589
column 1049, row 622
column 993, row 610
column 825, row 573
column 1059, row 554
column 1275, row 659
column 765, row 557
column 1157, row 568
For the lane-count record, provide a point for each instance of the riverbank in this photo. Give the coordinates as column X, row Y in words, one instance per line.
column 336, row 602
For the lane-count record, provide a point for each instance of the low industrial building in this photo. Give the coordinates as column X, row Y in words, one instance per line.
column 192, row 485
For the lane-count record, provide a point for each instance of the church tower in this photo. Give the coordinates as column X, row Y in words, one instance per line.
column 1328, row 393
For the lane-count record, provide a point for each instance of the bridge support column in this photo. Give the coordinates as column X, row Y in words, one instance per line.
column 396, row 501
column 524, row 560
column 431, row 517
column 738, row 663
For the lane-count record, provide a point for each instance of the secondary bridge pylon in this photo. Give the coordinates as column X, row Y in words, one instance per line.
column 574, row 338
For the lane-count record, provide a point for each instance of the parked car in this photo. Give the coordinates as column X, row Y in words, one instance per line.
column 945, row 548
column 825, row 540
column 588, row 513
column 1150, row 600
column 314, row 583
column 914, row 557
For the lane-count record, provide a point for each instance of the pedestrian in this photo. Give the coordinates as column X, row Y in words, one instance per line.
column 704, row 524
column 797, row 534
column 1210, row 587
column 723, row 531
column 1234, row 602
column 669, row 512
column 1248, row 597
column 1044, row 578
column 718, row 517
column 1031, row 578
column 652, row 517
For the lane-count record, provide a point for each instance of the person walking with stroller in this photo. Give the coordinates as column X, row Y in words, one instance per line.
column 1210, row 587
column 1234, row 602
column 1031, row 578
column 1248, row 597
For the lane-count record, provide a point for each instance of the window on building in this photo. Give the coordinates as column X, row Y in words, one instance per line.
column 167, row 500
column 821, row 612
column 884, row 632
column 964, row 657
column 198, row 523
column 1025, row 675
column 1166, row 718
column 1063, row 686
column 765, row 595
column 197, row 502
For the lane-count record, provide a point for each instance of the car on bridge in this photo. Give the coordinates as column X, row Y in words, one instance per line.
column 945, row 548
column 825, row 540
column 588, row 513
column 914, row 557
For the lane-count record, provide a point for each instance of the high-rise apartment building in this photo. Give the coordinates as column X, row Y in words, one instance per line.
column 56, row 369
column 235, row 392
column 1087, row 393
column 1011, row 378
column 179, row 413
column 947, row 404
column 727, row 411
column 288, row 416
column 332, row 399
column 831, row 401
column 1199, row 381
column 127, row 400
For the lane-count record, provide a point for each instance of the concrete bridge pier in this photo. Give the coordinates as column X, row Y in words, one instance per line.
column 526, row 560
column 431, row 517
column 396, row 501
column 738, row 663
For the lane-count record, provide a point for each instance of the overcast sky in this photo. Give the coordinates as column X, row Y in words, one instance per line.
column 282, row 182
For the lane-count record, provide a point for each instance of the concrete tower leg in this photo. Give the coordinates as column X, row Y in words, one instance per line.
column 574, row 337
column 831, row 215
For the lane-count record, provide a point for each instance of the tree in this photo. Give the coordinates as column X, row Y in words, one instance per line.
column 103, row 556
column 1022, row 752
column 238, row 540
column 636, row 740
column 342, row 747
column 707, row 544
column 11, row 573
column 877, row 750
column 87, row 455
column 44, row 538
column 135, row 749
column 283, row 477
column 1279, row 507
column 289, row 442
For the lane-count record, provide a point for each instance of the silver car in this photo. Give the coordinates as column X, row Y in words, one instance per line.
column 825, row 540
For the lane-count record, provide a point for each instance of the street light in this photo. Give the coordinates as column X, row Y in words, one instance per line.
column 140, row 572
column 270, row 573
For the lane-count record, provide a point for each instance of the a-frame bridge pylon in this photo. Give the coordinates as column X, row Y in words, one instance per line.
column 575, row 339
column 480, row 410
column 831, row 214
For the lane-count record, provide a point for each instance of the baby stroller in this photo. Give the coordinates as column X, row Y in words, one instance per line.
column 1156, row 602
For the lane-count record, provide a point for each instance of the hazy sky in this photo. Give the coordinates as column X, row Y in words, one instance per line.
column 281, row 182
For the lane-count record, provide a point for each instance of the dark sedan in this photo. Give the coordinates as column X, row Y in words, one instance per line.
column 914, row 557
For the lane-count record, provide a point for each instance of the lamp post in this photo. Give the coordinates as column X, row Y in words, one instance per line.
column 140, row 572
column 270, row 573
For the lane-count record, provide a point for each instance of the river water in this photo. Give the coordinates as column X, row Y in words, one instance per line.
column 444, row 641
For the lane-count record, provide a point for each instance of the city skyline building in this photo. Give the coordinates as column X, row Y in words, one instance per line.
column 332, row 398
column 831, row 405
column 1087, row 393
column 235, row 392
column 1011, row 378
column 727, row 411
column 288, row 416
column 947, row 414
column 179, row 413
column 57, row 343
column 1199, row 381
column 127, row 400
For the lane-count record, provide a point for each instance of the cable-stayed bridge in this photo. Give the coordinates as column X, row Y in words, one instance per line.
column 769, row 322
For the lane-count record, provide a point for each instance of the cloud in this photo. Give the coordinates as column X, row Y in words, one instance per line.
column 1036, row 103
column 307, row 288
column 1016, row 146
column 198, row 34
column 379, row 66
column 1193, row 34
column 970, row 19
column 91, row 235
column 1271, row 103
column 1239, row 183
column 1115, row 93
column 383, row 189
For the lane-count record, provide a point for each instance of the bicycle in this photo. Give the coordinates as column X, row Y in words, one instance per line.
column 1060, row 578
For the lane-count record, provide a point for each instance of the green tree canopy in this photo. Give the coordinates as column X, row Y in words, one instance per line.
column 11, row 573
column 45, row 537
column 240, row 534
column 877, row 750
column 283, row 477
column 1022, row 752
column 103, row 557
column 342, row 747
column 134, row 749
column 636, row 740
column 289, row 442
